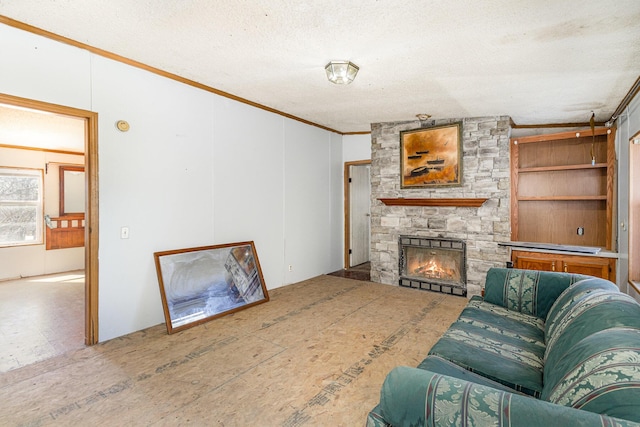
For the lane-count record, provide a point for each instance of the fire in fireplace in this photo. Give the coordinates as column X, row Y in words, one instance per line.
column 433, row 264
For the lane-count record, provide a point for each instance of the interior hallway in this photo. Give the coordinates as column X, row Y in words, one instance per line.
column 40, row 317
column 316, row 354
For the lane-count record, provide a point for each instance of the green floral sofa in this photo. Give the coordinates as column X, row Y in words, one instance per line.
column 540, row 349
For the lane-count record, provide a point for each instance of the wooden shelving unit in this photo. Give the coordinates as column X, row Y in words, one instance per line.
column 562, row 192
column 562, row 183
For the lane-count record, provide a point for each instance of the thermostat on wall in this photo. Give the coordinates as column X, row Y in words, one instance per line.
column 122, row 125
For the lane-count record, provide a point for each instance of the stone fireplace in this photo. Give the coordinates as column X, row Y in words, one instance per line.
column 485, row 175
column 433, row 264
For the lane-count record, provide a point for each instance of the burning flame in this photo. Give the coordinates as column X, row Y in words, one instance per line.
column 434, row 270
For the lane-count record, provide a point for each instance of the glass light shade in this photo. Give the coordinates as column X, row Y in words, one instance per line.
column 341, row 72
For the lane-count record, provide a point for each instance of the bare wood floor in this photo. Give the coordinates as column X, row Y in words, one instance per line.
column 315, row 355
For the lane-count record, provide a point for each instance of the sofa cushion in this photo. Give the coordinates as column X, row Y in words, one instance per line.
column 601, row 374
column 496, row 343
column 528, row 291
column 442, row 366
column 569, row 296
column 592, row 313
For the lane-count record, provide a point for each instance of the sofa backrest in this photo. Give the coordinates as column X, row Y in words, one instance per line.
column 593, row 312
column 600, row 373
column 527, row 291
column 564, row 303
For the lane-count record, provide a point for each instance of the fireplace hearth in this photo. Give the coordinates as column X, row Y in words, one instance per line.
column 433, row 264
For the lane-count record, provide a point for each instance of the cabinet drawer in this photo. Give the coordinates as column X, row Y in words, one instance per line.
column 591, row 266
column 529, row 263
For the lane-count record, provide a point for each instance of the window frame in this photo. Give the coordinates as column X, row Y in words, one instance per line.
column 39, row 204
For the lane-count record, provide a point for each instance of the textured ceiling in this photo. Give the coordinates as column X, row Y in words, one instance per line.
column 537, row 61
column 28, row 128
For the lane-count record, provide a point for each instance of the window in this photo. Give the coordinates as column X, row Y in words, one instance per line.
column 20, row 206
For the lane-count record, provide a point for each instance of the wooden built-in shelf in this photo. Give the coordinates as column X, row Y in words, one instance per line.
column 461, row 203
column 561, row 183
column 563, row 168
column 560, row 198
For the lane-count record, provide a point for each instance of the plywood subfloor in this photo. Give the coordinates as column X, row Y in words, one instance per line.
column 315, row 355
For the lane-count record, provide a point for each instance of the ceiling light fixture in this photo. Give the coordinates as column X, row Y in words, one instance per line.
column 341, row 72
column 422, row 117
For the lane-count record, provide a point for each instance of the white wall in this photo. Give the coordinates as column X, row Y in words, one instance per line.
column 337, row 206
column 249, row 182
column 307, row 191
column 195, row 169
column 627, row 125
column 156, row 179
column 34, row 260
column 356, row 147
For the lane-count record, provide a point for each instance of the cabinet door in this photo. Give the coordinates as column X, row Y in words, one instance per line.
column 592, row 267
column 529, row 263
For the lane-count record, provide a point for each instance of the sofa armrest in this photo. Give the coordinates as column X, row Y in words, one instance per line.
column 530, row 292
column 416, row 397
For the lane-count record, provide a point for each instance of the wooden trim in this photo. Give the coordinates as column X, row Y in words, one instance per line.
column 634, row 212
column 562, row 135
column 554, row 125
column 61, row 208
column 91, row 217
column 364, row 132
column 347, row 209
column 611, row 180
column 91, row 229
column 635, row 285
column 561, row 198
column 45, row 150
column 461, row 203
column 563, row 168
column 633, row 91
column 106, row 54
column 514, row 163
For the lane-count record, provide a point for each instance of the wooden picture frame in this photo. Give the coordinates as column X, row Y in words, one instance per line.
column 204, row 283
column 431, row 157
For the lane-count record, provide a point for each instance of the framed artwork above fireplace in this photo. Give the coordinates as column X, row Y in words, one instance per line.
column 431, row 157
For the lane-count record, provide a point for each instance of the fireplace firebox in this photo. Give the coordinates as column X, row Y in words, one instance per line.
column 433, row 264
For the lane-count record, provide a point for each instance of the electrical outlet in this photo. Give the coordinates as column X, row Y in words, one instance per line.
column 124, row 232
column 580, row 231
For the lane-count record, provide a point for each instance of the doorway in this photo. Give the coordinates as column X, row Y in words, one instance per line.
column 91, row 202
column 357, row 194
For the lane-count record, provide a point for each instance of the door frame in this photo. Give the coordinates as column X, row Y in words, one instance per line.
column 347, row 209
column 91, row 203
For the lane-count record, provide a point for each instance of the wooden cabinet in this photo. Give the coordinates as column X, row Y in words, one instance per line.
column 562, row 188
column 590, row 265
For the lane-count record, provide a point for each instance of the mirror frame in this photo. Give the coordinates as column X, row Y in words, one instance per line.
column 62, row 212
